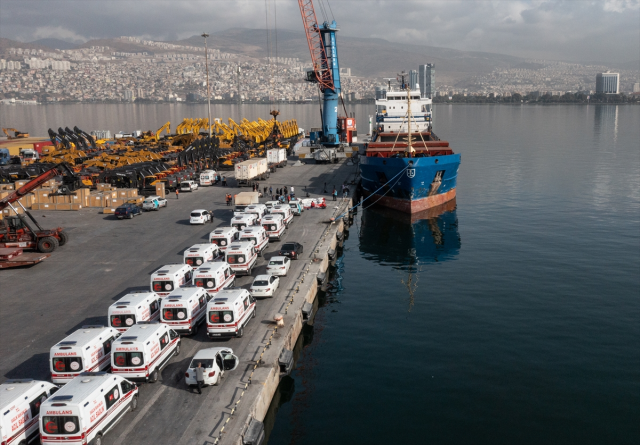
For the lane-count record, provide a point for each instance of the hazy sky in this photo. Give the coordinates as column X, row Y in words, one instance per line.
column 605, row 30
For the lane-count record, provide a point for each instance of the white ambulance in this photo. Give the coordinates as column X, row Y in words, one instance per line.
column 283, row 210
column 274, row 226
column 198, row 254
column 86, row 408
column 241, row 256
column 20, row 402
column 223, row 236
column 184, row 309
column 213, row 277
column 170, row 277
column 207, row 177
column 144, row 350
column 133, row 308
column 229, row 312
column 257, row 209
column 87, row 349
column 242, row 220
column 258, row 235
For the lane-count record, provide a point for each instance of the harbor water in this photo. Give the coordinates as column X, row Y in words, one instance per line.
column 512, row 316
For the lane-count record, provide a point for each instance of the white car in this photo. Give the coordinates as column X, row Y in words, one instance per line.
column 188, row 186
column 264, row 285
column 153, row 203
column 279, row 265
column 215, row 362
column 201, row 216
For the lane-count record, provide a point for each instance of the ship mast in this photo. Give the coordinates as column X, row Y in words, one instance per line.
column 407, row 87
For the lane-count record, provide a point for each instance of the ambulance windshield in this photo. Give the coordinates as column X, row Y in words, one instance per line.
column 60, row 424
column 207, row 283
column 163, row 286
column 124, row 359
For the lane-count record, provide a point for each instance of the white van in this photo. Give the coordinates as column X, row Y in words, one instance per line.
column 223, row 236
column 241, row 256
column 188, row 186
column 184, row 309
column 285, row 211
column 198, row 254
column 207, row 177
column 87, row 349
column 144, row 350
column 213, row 277
column 215, row 362
column 20, row 402
column 133, row 308
column 170, row 277
column 257, row 209
column 258, row 235
column 274, row 226
column 229, row 312
column 242, row 220
column 86, row 408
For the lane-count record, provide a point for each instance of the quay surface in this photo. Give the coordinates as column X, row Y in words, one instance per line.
column 106, row 259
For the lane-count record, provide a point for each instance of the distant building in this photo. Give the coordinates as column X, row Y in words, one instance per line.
column 128, row 95
column 346, row 72
column 636, row 87
column 140, row 93
column 381, row 92
column 413, row 79
column 608, row 83
column 427, row 80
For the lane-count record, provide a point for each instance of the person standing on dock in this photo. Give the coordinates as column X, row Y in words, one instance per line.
column 200, row 377
column 224, row 181
column 177, row 193
column 334, row 193
column 271, row 191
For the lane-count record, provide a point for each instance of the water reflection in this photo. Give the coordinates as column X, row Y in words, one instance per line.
column 410, row 242
column 606, row 121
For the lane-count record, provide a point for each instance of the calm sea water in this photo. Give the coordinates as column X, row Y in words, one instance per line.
column 513, row 317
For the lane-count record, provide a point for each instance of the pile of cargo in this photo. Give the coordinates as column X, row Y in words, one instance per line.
column 48, row 197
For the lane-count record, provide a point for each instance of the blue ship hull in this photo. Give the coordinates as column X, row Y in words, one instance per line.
column 425, row 183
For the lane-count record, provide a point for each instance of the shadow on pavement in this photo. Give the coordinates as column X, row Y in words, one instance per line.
column 90, row 321
column 36, row 367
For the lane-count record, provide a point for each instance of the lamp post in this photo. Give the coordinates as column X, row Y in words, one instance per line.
column 206, row 63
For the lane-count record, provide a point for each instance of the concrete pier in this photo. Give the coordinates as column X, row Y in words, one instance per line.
column 107, row 258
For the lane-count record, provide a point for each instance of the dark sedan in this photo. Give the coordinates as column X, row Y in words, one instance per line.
column 127, row 211
column 291, row 250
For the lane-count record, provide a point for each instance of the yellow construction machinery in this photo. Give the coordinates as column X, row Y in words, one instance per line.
column 16, row 134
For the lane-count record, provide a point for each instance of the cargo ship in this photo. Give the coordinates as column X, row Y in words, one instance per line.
column 407, row 167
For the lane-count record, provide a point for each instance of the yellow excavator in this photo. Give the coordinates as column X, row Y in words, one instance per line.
column 16, row 134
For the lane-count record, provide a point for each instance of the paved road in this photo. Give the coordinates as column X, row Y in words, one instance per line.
column 105, row 259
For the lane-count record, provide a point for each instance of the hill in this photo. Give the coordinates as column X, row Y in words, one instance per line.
column 365, row 57
column 54, row 43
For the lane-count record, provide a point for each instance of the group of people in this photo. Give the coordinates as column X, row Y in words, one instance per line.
column 282, row 194
column 334, row 193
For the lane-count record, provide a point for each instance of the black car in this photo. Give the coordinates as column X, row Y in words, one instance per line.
column 127, row 211
column 292, row 250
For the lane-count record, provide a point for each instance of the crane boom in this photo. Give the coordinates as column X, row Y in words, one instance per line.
column 316, row 45
column 326, row 70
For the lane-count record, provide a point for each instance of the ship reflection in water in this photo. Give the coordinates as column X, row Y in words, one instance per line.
column 410, row 243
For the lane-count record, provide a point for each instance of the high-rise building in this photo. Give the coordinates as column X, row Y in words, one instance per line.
column 413, row 80
column 636, row 87
column 608, row 83
column 427, row 80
